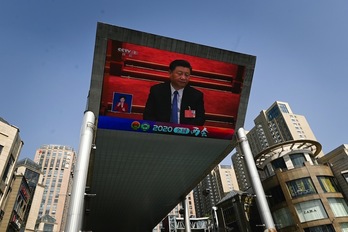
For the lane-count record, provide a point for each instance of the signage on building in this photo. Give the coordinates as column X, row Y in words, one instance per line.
column 16, row 222
column 24, row 191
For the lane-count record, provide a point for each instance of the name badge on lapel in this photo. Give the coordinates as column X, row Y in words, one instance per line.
column 190, row 113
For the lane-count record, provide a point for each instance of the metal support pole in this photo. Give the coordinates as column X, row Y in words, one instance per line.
column 215, row 219
column 186, row 215
column 75, row 213
column 261, row 201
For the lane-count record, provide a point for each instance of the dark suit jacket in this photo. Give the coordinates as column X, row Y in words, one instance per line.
column 158, row 105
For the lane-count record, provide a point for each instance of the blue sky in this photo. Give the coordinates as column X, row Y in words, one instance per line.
column 47, row 46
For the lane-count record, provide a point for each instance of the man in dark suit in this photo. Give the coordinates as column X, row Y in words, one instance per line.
column 189, row 101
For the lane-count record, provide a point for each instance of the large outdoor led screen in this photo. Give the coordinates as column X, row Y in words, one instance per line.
column 130, row 71
column 137, row 154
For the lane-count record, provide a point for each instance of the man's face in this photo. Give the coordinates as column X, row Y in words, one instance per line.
column 180, row 77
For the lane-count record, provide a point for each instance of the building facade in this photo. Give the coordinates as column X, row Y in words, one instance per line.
column 338, row 161
column 56, row 162
column 299, row 182
column 26, row 177
column 220, row 181
column 303, row 195
column 233, row 213
column 10, row 147
column 17, row 206
column 33, row 176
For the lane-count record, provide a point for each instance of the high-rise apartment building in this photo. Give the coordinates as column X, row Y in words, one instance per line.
column 217, row 184
column 177, row 212
column 225, row 180
column 191, row 204
column 10, row 147
column 56, row 162
column 220, row 181
column 273, row 126
column 278, row 124
column 241, row 172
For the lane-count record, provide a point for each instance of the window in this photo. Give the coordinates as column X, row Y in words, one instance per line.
column 310, row 210
column 344, row 227
column 58, row 163
column 327, row 184
column 273, row 113
column 301, row 187
column 323, row 228
column 338, row 206
column 7, row 169
column 345, row 176
column 282, row 218
column 268, row 172
column 32, row 178
column 276, row 194
column 48, row 227
column 52, row 162
column 298, row 160
column 46, row 162
column 279, row 163
column 283, row 108
column 41, row 160
column 17, row 204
